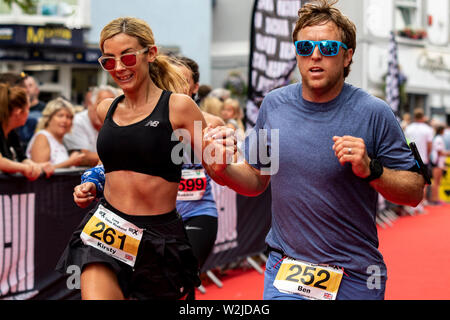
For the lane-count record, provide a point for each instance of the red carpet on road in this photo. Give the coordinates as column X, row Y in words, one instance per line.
column 417, row 254
column 416, row 251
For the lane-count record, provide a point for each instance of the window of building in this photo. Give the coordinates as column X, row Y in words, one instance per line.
column 41, row 7
column 4, row 8
column 62, row 8
column 415, row 101
column 71, row 13
column 408, row 14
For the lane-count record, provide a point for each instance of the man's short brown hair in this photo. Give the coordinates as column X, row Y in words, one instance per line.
column 419, row 114
column 323, row 11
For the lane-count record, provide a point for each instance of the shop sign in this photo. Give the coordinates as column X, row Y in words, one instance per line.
column 435, row 63
column 6, row 34
column 58, row 36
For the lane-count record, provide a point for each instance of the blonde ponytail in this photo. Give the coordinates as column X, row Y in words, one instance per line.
column 166, row 74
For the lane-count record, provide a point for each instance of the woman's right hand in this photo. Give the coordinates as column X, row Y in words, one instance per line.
column 76, row 158
column 84, row 194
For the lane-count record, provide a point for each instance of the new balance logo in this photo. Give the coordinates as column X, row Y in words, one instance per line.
column 152, row 123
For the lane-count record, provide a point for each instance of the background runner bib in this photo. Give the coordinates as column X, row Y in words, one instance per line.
column 192, row 185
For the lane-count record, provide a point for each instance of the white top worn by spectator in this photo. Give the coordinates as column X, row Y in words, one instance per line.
column 447, row 138
column 438, row 146
column 83, row 135
column 86, row 125
column 422, row 134
column 58, row 152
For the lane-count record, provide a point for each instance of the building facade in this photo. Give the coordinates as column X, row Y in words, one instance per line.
column 422, row 33
column 57, row 41
column 49, row 43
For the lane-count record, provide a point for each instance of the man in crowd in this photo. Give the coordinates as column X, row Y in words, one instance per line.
column 86, row 126
column 420, row 132
column 36, row 107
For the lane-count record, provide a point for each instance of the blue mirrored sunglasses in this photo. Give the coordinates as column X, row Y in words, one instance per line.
column 328, row 48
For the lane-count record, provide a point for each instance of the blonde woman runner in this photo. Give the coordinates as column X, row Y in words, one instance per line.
column 133, row 245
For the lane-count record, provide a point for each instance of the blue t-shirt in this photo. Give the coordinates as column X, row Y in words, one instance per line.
column 321, row 212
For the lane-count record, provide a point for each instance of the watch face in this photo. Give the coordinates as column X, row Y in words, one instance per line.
column 376, row 170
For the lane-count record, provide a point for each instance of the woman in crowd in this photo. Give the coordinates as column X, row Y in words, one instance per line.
column 141, row 179
column 438, row 156
column 231, row 113
column 212, row 105
column 14, row 109
column 47, row 143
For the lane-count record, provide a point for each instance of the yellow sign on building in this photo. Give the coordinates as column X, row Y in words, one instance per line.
column 41, row 35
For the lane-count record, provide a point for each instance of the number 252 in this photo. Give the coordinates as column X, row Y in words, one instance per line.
column 307, row 273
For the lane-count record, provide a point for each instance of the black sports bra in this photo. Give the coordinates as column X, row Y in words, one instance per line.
column 143, row 147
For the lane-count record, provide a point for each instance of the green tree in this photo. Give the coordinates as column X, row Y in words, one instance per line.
column 27, row 6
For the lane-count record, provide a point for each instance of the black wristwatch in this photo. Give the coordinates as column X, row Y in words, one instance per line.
column 376, row 170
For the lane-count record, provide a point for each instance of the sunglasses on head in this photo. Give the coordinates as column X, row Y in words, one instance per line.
column 328, row 48
column 127, row 59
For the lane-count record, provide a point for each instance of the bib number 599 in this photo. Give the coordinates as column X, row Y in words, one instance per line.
column 192, row 184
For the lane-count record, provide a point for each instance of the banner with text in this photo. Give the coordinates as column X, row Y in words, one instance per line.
column 272, row 52
column 243, row 224
column 36, row 221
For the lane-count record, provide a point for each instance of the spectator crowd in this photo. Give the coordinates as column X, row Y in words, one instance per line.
column 60, row 133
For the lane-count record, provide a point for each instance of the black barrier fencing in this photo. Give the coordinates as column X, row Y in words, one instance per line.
column 37, row 219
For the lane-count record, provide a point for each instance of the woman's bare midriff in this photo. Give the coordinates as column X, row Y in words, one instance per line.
column 140, row 194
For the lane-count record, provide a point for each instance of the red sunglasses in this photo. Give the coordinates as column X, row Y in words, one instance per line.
column 127, row 59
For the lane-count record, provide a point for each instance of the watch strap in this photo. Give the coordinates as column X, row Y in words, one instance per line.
column 376, row 170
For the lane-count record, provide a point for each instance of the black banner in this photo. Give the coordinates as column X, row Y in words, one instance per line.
column 44, row 36
column 243, row 225
column 37, row 219
column 53, row 44
column 272, row 52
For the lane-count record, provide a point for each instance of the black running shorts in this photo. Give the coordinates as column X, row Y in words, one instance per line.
column 165, row 268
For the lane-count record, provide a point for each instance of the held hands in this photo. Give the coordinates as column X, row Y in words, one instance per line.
column 219, row 147
column 31, row 170
column 47, row 168
column 84, row 194
column 353, row 150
